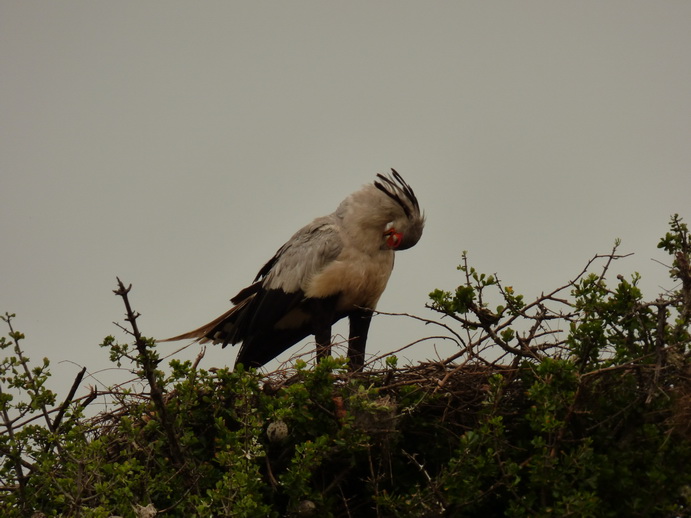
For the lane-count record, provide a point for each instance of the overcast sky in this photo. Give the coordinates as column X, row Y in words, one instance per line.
column 179, row 144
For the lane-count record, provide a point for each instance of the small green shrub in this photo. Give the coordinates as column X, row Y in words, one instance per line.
column 575, row 404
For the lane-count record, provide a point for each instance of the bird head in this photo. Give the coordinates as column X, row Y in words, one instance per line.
column 386, row 211
column 404, row 229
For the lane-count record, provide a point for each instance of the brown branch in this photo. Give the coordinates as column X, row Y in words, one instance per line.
column 148, row 364
column 426, row 321
column 441, row 501
column 659, row 348
column 68, row 399
column 15, row 456
column 31, row 386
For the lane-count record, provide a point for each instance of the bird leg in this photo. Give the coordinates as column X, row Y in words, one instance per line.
column 359, row 326
column 323, row 311
column 323, row 339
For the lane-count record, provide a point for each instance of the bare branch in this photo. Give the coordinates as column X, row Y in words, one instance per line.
column 68, row 399
column 149, row 367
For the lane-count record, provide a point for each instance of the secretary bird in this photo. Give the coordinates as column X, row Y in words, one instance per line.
column 335, row 267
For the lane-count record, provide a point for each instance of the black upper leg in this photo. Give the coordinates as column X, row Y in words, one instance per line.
column 359, row 326
column 323, row 315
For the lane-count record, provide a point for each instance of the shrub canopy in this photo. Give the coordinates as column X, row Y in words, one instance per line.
column 575, row 404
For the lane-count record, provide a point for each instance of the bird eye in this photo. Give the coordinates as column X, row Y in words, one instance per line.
column 393, row 238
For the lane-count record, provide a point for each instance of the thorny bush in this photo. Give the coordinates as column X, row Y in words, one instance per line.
column 577, row 403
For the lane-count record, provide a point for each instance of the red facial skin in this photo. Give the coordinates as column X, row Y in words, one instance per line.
column 393, row 238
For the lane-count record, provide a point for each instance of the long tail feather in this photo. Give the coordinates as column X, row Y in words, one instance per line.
column 201, row 334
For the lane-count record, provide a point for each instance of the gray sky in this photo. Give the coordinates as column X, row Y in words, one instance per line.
column 179, row 144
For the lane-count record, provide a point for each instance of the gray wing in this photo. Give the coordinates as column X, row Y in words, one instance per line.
column 276, row 294
column 304, row 255
column 273, row 318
